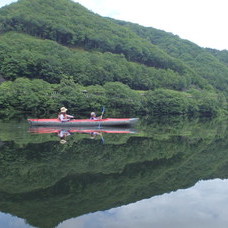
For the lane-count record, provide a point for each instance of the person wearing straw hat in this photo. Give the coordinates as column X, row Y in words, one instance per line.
column 63, row 133
column 93, row 116
column 63, row 117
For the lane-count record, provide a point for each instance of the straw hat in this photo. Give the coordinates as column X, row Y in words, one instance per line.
column 63, row 141
column 63, row 109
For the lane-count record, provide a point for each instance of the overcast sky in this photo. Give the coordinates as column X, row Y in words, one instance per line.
column 203, row 22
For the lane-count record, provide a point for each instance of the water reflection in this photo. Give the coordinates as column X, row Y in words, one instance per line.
column 203, row 206
column 93, row 132
column 47, row 183
column 9, row 221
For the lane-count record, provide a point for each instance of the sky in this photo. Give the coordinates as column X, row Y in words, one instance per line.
column 201, row 21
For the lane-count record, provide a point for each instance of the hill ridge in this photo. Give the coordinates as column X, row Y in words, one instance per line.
column 111, row 51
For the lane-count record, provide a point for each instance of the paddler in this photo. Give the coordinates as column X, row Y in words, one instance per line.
column 93, row 116
column 63, row 117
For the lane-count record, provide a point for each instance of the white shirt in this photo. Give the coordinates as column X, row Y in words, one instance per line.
column 65, row 118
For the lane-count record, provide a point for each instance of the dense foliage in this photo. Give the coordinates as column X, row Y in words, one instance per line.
column 221, row 55
column 24, row 56
column 41, row 98
column 207, row 63
column 71, row 24
column 84, row 61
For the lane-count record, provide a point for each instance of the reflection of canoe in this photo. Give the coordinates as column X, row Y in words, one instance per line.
column 43, row 130
column 84, row 122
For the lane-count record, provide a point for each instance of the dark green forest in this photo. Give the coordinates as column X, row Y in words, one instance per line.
column 58, row 53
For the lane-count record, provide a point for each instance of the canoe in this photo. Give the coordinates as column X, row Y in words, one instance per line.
column 87, row 130
column 84, row 122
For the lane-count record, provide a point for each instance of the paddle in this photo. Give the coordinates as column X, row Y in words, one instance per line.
column 102, row 139
column 102, row 113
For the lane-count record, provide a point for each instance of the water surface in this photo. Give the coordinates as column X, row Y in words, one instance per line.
column 166, row 173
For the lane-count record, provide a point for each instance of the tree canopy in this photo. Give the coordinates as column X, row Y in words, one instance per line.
column 56, row 41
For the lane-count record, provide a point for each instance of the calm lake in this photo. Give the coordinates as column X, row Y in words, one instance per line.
column 164, row 173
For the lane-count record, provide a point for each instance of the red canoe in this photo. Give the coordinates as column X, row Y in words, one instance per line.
column 84, row 122
column 49, row 130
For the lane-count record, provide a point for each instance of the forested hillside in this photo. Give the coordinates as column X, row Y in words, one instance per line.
column 55, row 53
column 221, row 55
column 210, row 64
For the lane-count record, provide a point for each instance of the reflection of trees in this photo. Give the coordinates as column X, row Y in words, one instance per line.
column 88, row 176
